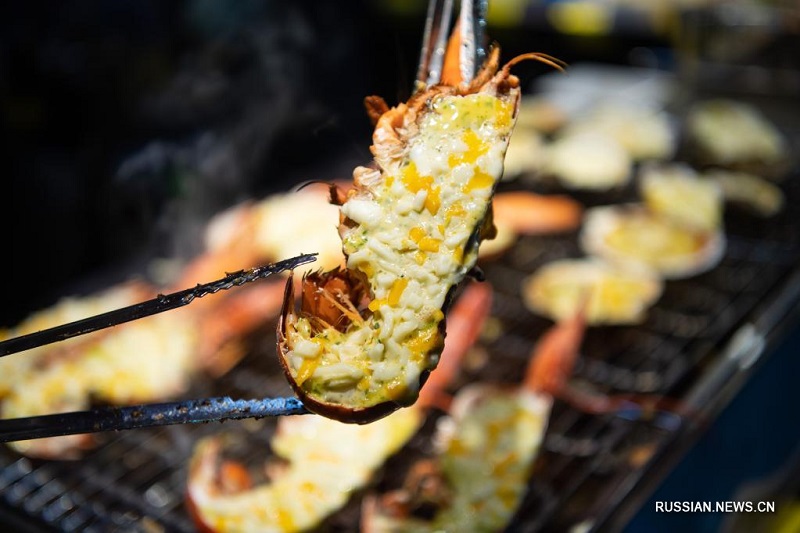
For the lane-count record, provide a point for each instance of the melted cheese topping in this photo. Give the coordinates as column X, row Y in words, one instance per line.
column 651, row 238
column 487, row 460
column 765, row 198
column 676, row 192
column 588, row 160
column 18, row 367
column 414, row 238
column 144, row 361
column 488, row 448
column 643, row 132
column 616, row 296
column 328, row 461
column 632, row 236
column 728, row 132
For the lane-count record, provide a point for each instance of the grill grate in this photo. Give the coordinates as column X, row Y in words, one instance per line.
column 134, row 481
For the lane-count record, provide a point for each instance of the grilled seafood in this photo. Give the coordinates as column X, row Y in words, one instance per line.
column 588, row 160
column 527, row 149
column 366, row 336
column 18, row 368
column 486, row 453
column 734, row 134
column 538, row 113
column 525, row 154
column 644, row 133
column 327, row 461
column 677, row 193
column 676, row 231
column 528, row 213
column 632, row 235
column 153, row 358
column 486, row 449
column 613, row 295
column 488, row 444
column 552, row 364
column 749, row 190
column 143, row 361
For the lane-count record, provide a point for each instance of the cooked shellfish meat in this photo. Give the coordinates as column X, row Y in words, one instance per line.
column 730, row 132
column 272, row 229
column 644, row 133
column 588, row 160
column 631, row 235
column 676, row 192
column 325, row 461
column 487, row 448
column 366, row 337
column 18, row 367
column 763, row 197
column 612, row 295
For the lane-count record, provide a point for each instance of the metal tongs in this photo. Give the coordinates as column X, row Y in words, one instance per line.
column 160, row 414
column 471, row 25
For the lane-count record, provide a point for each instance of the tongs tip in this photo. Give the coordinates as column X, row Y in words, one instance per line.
column 468, row 34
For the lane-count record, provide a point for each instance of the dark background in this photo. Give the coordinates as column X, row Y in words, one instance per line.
column 129, row 123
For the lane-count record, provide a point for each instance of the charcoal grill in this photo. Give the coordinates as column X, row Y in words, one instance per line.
column 699, row 345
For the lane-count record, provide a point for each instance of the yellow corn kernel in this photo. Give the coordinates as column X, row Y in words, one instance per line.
column 437, row 315
column 458, row 254
column 420, row 258
column 508, row 496
column 480, row 180
column 284, row 518
column 306, row 370
column 389, row 181
column 502, row 465
column 396, row 291
column 455, row 210
column 376, row 304
column 413, row 181
column 429, row 244
column 441, row 228
column 475, row 147
column 433, row 201
column 423, row 342
column 367, row 269
column 363, row 384
column 456, row 447
column 502, row 113
column 416, row 234
column 453, row 160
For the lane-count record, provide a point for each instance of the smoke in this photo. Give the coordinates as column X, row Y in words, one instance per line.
column 131, row 123
column 239, row 112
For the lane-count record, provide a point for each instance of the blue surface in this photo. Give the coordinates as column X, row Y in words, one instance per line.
column 752, row 439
